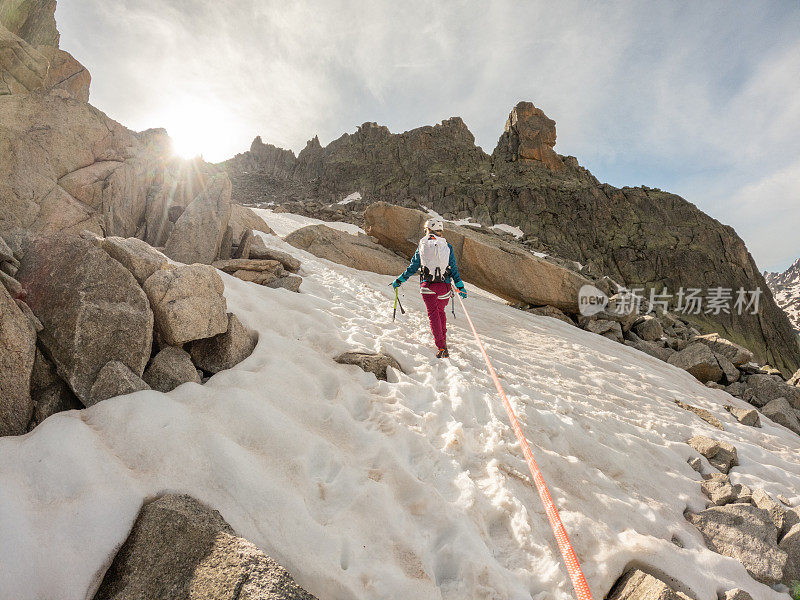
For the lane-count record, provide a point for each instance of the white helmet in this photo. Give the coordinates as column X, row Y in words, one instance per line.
column 434, row 224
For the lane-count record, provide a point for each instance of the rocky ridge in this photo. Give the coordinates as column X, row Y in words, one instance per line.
column 638, row 236
column 786, row 289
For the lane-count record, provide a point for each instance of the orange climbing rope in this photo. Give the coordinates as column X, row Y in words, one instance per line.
column 570, row 560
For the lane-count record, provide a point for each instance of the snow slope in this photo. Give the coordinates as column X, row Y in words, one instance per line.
column 284, row 223
column 415, row 488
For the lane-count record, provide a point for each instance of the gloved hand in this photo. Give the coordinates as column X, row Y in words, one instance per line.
column 461, row 291
column 397, row 283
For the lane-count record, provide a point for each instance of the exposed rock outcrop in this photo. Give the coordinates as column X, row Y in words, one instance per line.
column 791, row 545
column 141, row 259
column 180, row 549
column 198, row 232
column 242, row 218
column 780, row 411
column 501, row 268
column 746, row 533
column 170, row 368
column 260, row 251
column 735, row 353
column 67, row 167
column 30, row 60
column 32, row 20
column 225, row 350
column 745, row 416
column 371, row 363
column 698, row 360
column 188, row 303
column 49, row 392
column 721, row 455
column 763, row 388
column 529, row 136
column 261, row 271
column 92, row 309
column 17, row 352
column 635, row 584
column 114, row 379
column 356, row 251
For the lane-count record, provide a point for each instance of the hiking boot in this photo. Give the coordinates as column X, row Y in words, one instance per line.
column 442, row 353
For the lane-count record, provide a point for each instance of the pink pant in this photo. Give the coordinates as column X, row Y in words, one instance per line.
column 436, row 296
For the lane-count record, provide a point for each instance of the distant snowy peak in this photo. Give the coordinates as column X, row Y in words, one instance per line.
column 786, row 289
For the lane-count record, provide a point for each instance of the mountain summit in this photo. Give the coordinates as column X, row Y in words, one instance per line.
column 641, row 237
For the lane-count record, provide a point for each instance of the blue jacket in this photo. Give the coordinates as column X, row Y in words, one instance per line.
column 415, row 265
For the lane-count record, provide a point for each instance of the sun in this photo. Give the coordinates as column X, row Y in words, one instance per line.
column 199, row 129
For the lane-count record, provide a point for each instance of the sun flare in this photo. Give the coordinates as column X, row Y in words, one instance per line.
column 198, row 129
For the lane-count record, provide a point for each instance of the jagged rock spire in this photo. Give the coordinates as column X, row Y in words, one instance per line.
column 529, row 137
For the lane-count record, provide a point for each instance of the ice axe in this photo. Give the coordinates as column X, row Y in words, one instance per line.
column 396, row 304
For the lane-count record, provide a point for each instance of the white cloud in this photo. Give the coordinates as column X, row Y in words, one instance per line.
column 768, row 210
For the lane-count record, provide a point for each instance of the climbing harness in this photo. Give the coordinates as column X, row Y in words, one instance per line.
column 396, row 304
column 570, row 559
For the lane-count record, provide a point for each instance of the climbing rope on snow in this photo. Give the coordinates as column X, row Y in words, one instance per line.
column 567, row 552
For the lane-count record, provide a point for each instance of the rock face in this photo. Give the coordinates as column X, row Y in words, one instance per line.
column 114, row 379
column 371, row 363
column 225, row 350
column 791, row 545
column 638, row 236
column 648, row 328
column 358, row 252
column 735, row 353
column 30, row 60
column 764, row 388
column 170, row 368
column 698, row 360
column 550, row 311
column 92, row 309
column 49, row 392
column 261, row 271
column 17, row 352
column 187, row 303
column 720, row 455
column 746, row 533
column 242, row 218
column 653, row 349
column 180, row 549
column 745, row 416
column 610, row 329
column 141, row 259
column 780, row 411
column 638, row 585
column 260, row 251
column 719, row 489
column 483, row 260
column 34, row 21
column 67, row 167
column 198, row 232
column 529, row 136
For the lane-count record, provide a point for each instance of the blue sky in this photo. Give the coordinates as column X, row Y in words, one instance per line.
column 698, row 98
